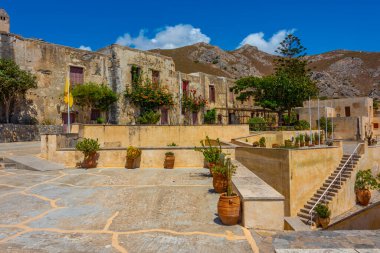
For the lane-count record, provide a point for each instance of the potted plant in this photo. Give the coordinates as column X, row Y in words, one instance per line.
column 365, row 182
column 229, row 202
column 323, row 215
column 275, row 145
column 132, row 154
column 256, row 144
column 262, row 142
column 297, row 144
column 89, row 148
column 302, row 140
column 169, row 160
column 288, row 143
column 210, row 153
column 307, row 139
column 316, row 139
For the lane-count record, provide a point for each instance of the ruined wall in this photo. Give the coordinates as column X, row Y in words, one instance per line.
column 15, row 133
column 50, row 63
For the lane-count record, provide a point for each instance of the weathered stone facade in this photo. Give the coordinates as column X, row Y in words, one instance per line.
column 112, row 66
column 4, row 21
column 16, row 132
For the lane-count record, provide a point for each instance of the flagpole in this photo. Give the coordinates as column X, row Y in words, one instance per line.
column 68, row 109
column 319, row 125
column 311, row 135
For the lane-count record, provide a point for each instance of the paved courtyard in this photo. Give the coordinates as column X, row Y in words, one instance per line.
column 114, row 210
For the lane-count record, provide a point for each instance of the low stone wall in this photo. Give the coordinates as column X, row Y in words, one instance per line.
column 160, row 136
column 18, row 133
column 294, row 173
column 151, row 157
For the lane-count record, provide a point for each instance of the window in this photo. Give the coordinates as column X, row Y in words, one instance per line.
column 347, row 110
column 135, row 74
column 76, row 75
column 375, row 125
column 220, row 118
column 164, row 116
column 231, row 96
column 155, row 77
column 211, row 94
column 185, row 87
column 72, row 117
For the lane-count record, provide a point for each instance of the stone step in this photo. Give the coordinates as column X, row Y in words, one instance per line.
column 315, row 198
column 333, row 177
column 343, row 174
column 328, row 194
column 6, row 165
column 323, row 189
column 335, row 185
column 313, row 201
column 34, row 163
column 304, row 220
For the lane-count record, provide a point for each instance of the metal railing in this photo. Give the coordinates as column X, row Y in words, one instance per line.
column 338, row 176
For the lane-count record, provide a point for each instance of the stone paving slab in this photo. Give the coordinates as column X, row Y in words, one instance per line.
column 29, row 162
column 113, row 210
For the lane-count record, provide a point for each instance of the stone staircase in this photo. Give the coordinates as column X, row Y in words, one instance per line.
column 304, row 214
column 6, row 164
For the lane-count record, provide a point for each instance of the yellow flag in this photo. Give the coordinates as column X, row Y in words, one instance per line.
column 68, row 97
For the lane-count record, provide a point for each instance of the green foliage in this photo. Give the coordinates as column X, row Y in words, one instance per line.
column 262, row 142
column 323, row 124
column 149, row 117
column 257, row 124
column 172, row 144
column 302, row 125
column 14, row 83
column 133, row 152
column 210, row 116
column 100, row 120
column 47, row 122
column 149, row 96
column 288, row 87
column 210, row 153
column 322, row 211
column 193, row 103
column 93, row 95
column 290, row 120
column 87, row 146
column 375, row 105
column 307, row 138
column 169, row 153
column 365, row 180
column 302, row 138
column 256, row 144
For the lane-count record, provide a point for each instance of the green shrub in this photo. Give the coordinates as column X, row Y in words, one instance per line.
column 169, row 153
column 87, row 146
column 100, row 120
column 210, row 117
column 256, row 144
column 172, row 144
column 365, row 180
column 322, row 211
column 323, row 124
column 133, row 152
column 262, row 142
column 257, row 124
column 302, row 125
column 290, row 120
column 149, row 117
column 210, row 153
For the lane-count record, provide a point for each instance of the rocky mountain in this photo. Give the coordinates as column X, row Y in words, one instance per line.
column 339, row 73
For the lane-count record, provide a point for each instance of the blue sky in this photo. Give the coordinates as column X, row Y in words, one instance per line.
column 322, row 25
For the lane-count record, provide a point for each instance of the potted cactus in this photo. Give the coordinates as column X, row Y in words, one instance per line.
column 262, row 142
column 297, row 144
column 365, row 182
column 169, row 160
column 89, row 148
column 302, row 140
column 210, row 153
column 323, row 215
column 229, row 202
column 132, row 154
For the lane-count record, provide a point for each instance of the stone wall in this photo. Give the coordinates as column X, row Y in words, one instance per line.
column 15, row 133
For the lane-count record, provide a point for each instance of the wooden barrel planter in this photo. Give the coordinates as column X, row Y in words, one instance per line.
column 229, row 209
column 219, row 181
column 169, row 161
column 130, row 163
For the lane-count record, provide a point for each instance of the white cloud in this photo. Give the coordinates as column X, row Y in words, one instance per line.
column 85, row 48
column 269, row 46
column 168, row 38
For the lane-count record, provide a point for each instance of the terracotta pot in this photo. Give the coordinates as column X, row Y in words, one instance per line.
column 229, row 209
column 169, row 162
column 302, row 144
column 219, row 181
column 90, row 161
column 130, row 163
column 363, row 196
column 324, row 222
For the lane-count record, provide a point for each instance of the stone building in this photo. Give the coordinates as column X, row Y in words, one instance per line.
column 352, row 117
column 111, row 65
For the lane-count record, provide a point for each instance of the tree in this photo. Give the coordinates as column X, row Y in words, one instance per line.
column 288, row 87
column 94, row 96
column 14, row 83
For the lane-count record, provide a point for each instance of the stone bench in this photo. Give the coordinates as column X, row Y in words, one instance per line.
column 262, row 206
